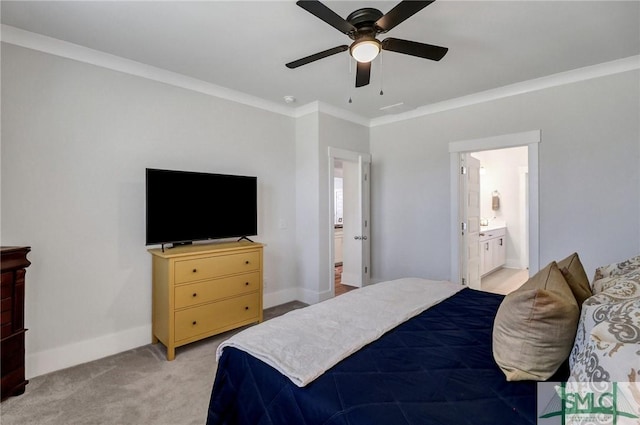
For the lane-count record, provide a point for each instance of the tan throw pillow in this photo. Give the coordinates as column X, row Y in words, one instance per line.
column 535, row 327
column 576, row 277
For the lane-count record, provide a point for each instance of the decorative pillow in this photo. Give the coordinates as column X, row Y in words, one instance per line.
column 617, row 269
column 624, row 329
column 605, row 361
column 619, row 286
column 607, row 346
column 576, row 277
column 535, row 326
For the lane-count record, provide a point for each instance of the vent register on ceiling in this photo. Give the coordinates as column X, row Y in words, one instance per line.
column 362, row 26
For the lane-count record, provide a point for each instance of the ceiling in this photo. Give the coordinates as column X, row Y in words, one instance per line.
column 244, row 45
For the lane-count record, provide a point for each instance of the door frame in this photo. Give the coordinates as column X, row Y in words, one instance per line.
column 349, row 156
column 531, row 139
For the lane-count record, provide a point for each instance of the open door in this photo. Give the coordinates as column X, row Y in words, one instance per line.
column 356, row 252
column 470, row 220
column 365, row 250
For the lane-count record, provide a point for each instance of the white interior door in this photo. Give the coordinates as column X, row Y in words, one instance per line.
column 470, row 220
column 356, row 224
column 365, row 240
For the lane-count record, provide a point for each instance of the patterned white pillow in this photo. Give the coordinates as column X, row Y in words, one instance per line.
column 607, row 345
column 606, row 361
column 619, row 286
column 617, row 269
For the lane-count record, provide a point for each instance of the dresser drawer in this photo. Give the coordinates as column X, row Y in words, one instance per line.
column 211, row 290
column 209, row 317
column 12, row 353
column 216, row 266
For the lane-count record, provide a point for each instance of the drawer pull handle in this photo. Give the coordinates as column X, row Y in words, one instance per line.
column 246, row 308
column 194, row 323
column 195, row 294
column 246, row 283
column 195, row 270
column 246, row 262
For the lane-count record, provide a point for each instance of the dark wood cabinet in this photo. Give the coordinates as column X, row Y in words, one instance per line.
column 13, row 261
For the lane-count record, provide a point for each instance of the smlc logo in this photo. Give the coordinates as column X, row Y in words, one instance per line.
column 582, row 403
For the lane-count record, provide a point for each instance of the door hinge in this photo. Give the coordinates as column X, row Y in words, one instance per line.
column 366, row 269
column 463, row 226
column 366, row 176
column 463, row 170
column 464, row 281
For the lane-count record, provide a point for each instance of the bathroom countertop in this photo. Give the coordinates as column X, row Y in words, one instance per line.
column 493, row 226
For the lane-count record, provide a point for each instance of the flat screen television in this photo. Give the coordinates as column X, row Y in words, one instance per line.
column 185, row 206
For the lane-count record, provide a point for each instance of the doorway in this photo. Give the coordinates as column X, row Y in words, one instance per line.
column 527, row 176
column 349, row 212
column 338, row 225
column 503, row 218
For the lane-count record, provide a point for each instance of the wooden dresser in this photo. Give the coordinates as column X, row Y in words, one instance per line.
column 13, row 261
column 203, row 290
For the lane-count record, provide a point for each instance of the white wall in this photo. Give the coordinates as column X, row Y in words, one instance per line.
column 307, row 199
column 588, row 166
column 76, row 139
column 75, row 143
column 315, row 133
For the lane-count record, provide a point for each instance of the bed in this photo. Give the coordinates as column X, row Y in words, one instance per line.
column 434, row 368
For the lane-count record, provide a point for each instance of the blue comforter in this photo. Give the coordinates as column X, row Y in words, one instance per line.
column 436, row 368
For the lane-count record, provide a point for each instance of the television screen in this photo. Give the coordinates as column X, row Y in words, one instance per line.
column 185, row 206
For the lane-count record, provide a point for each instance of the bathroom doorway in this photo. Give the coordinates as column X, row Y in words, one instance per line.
column 514, row 201
column 504, row 223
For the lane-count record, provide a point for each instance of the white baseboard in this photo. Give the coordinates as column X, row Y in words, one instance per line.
column 514, row 263
column 272, row 299
column 48, row 361
column 43, row 362
column 308, row 296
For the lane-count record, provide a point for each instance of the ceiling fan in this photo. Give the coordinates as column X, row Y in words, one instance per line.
column 362, row 26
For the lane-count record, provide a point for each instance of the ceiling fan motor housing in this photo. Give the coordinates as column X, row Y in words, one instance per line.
column 364, row 20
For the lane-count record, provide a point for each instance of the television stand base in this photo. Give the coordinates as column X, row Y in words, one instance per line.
column 176, row 244
column 245, row 238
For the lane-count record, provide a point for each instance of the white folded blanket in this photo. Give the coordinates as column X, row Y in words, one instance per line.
column 305, row 343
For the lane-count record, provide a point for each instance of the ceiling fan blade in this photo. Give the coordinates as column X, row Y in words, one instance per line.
column 329, row 16
column 400, row 13
column 315, row 57
column 363, row 73
column 413, row 48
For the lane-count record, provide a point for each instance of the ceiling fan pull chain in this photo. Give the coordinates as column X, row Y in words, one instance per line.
column 381, row 75
column 350, row 60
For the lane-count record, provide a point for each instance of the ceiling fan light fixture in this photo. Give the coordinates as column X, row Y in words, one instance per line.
column 365, row 50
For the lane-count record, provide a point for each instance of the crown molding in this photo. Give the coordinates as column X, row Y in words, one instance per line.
column 30, row 40
column 54, row 46
column 325, row 108
column 581, row 74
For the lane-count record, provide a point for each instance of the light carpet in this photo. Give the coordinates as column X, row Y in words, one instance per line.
column 138, row 386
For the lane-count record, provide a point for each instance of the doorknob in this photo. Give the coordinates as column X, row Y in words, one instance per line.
column 360, row 238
